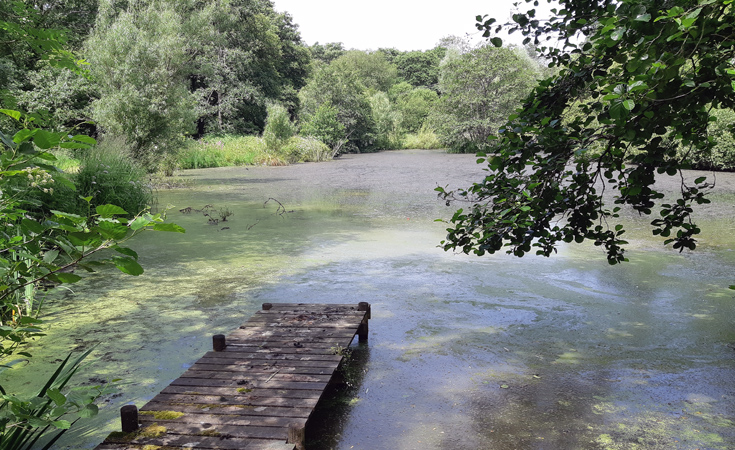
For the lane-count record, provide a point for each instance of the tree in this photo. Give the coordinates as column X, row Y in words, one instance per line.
column 326, row 53
column 372, row 69
column 245, row 56
column 140, row 62
column 479, row 90
column 420, row 69
column 415, row 107
column 641, row 79
column 341, row 89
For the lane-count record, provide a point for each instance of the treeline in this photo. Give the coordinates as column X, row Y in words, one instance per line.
column 157, row 74
column 202, row 83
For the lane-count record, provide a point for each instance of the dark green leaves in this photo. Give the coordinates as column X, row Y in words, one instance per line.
column 626, row 104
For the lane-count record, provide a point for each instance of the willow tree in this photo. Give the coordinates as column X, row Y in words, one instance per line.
column 638, row 81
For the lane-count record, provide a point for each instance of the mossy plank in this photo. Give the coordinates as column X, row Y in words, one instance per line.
column 278, row 408
column 272, row 417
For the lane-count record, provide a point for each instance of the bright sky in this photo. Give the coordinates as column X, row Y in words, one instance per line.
column 403, row 24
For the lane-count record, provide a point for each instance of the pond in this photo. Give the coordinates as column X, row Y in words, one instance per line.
column 495, row 352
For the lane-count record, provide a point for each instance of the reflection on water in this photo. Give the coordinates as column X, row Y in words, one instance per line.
column 464, row 353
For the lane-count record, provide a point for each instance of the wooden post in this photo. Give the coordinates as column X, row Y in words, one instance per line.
column 362, row 330
column 129, row 418
column 218, row 342
column 296, row 435
column 267, row 306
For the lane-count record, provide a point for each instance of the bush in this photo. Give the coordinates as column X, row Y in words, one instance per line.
column 425, row 139
column 306, row 149
column 108, row 174
column 278, row 128
column 386, row 131
column 325, row 126
column 227, row 150
column 722, row 154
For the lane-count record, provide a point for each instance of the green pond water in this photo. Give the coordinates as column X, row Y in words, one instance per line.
column 464, row 352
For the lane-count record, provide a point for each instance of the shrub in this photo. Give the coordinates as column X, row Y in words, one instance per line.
column 278, row 127
column 324, row 125
column 109, row 175
column 306, row 149
column 722, row 155
column 386, row 132
column 425, row 139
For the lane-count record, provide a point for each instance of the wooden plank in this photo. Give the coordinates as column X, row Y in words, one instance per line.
column 244, row 373
column 208, row 442
column 221, row 420
column 273, row 356
column 225, row 431
column 241, row 383
column 228, row 391
column 251, row 403
column 266, row 413
column 262, row 368
column 257, row 390
column 252, row 445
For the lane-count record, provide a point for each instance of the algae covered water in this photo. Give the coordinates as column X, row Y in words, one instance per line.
column 464, row 352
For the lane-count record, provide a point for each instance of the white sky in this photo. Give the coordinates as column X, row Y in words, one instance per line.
column 403, row 24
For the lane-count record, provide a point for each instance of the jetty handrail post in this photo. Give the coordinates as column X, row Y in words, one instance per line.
column 219, row 343
column 129, row 418
column 362, row 330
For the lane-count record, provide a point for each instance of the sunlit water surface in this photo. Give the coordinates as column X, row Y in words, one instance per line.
column 464, row 352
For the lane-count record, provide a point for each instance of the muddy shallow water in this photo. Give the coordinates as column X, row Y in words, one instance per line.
column 464, row 352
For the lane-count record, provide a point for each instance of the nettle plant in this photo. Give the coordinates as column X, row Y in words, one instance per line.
column 39, row 250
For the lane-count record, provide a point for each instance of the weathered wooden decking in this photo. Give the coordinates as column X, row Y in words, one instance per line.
column 256, row 390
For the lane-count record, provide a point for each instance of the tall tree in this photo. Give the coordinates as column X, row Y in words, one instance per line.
column 420, row 69
column 332, row 87
column 140, row 61
column 638, row 82
column 479, row 90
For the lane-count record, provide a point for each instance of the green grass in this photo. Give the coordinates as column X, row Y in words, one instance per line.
column 227, row 150
column 425, row 139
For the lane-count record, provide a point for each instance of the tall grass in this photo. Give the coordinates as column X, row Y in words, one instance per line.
column 425, row 139
column 108, row 175
column 227, row 150
column 306, row 149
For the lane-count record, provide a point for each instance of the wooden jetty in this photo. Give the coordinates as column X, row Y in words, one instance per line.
column 255, row 390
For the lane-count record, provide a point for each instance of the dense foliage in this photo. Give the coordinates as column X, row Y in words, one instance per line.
column 639, row 82
column 480, row 89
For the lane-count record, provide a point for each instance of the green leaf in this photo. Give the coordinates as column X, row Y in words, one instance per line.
column 61, row 424
column 496, row 41
column 50, row 256
column 126, row 251
column 56, row 396
column 629, row 105
column 139, row 223
column 111, row 230
column 45, row 139
column 84, row 138
column 89, row 410
column 9, row 112
column 67, row 278
column 33, row 226
column 127, row 265
column 168, row 227
column 643, row 18
column 23, row 135
column 107, row 211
